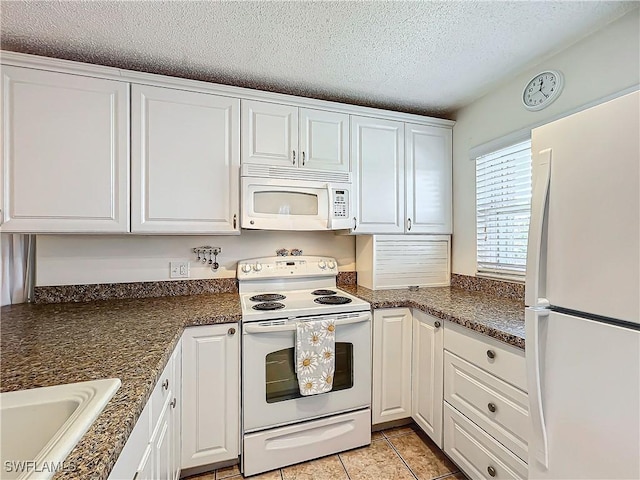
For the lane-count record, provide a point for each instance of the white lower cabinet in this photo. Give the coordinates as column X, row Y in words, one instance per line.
column 145, row 470
column 407, row 369
column 465, row 390
column 477, row 453
column 211, row 394
column 391, row 365
column 426, row 380
column 150, row 452
column 486, row 408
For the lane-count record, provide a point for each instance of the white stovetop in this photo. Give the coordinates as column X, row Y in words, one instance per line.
column 300, row 303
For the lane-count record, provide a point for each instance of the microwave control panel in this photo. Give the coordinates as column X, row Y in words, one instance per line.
column 340, row 203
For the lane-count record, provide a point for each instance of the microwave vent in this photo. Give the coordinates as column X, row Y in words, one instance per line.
column 293, row 173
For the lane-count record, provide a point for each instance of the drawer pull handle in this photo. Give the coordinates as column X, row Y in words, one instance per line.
column 165, row 384
column 232, row 331
column 492, row 407
column 491, row 354
column 173, row 403
column 491, row 471
column 437, row 324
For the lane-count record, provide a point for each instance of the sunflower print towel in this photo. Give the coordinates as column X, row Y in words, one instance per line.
column 315, row 356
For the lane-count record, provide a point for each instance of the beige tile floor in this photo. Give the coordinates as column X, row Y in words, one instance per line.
column 396, row 454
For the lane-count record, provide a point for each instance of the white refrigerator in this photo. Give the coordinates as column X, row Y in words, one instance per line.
column 583, row 295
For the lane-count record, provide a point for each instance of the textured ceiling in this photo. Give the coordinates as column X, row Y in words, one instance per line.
column 421, row 57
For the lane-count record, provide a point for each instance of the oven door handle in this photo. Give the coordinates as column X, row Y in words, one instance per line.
column 290, row 327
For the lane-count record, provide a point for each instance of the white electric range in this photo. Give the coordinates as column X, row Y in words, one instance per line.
column 279, row 425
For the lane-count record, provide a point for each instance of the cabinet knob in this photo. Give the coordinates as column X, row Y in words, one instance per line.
column 232, row 331
column 491, row 407
column 165, row 384
column 491, row 354
column 294, row 157
column 491, row 471
column 173, row 403
column 437, row 324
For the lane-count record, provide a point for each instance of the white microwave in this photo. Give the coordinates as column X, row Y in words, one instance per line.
column 285, row 198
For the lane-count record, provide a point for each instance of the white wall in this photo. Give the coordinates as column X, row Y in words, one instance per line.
column 86, row 259
column 598, row 66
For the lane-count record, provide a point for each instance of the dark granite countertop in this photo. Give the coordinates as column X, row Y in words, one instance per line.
column 498, row 317
column 52, row 344
column 132, row 339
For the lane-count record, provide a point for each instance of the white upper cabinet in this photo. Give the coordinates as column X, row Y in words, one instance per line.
column 428, row 173
column 377, row 149
column 324, row 140
column 65, row 160
column 185, row 162
column 283, row 135
column 269, row 133
column 403, row 177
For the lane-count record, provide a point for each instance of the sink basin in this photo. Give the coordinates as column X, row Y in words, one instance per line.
column 40, row 426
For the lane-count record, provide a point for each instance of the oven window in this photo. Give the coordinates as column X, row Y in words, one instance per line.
column 282, row 383
column 285, row 203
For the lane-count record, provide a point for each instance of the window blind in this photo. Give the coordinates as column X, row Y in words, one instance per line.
column 503, row 199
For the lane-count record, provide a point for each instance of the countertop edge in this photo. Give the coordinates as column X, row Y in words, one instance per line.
column 500, row 335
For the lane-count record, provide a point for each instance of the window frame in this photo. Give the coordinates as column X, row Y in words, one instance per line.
column 511, row 145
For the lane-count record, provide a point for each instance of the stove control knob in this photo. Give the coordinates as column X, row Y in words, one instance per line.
column 257, row 267
column 246, row 268
column 331, row 264
column 322, row 264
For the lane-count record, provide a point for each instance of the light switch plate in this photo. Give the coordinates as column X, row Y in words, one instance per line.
column 179, row 269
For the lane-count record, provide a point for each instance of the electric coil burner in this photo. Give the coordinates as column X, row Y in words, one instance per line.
column 268, row 306
column 337, row 300
column 267, row 297
column 280, row 424
column 323, row 292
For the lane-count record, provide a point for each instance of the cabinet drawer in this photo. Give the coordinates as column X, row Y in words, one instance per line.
column 476, row 452
column 494, row 405
column 495, row 357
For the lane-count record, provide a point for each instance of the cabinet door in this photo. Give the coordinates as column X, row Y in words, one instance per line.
column 210, row 394
column 145, row 470
column 269, row 133
column 427, row 371
column 185, row 162
column 324, row 140
column 176, row 414
column 391, row 365
column 66, row 152
column 428, row 156
column 377, row 150
column 162, row 442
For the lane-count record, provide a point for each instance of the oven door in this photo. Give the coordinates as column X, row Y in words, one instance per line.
column 276, row 204
column 270, row 393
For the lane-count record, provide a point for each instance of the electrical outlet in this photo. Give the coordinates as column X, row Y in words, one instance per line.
column 179, row 269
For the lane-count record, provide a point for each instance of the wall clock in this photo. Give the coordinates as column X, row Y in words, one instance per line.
column 542, row 90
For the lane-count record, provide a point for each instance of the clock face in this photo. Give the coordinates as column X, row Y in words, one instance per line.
column 542, row 90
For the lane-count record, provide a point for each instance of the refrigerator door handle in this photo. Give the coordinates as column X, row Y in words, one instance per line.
column 538, row 447
column 535, row 248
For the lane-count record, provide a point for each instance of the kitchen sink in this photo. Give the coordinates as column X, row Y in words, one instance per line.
column 40, row 426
